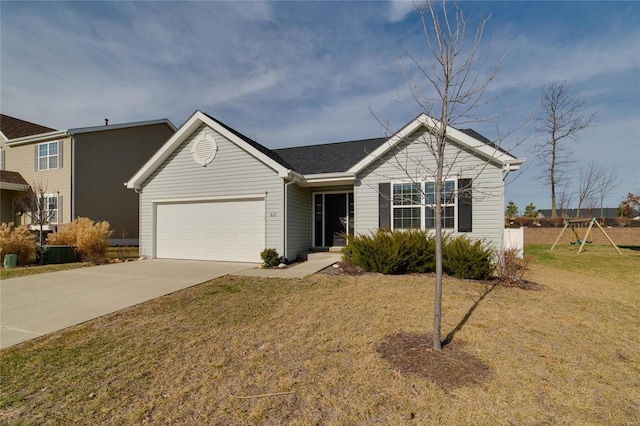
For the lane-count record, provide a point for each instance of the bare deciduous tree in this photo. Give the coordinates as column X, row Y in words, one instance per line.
column 608, row 181
column 559, row 119
column 449, row 83
column 39, row 208
column 564, row 198
column 590, row 179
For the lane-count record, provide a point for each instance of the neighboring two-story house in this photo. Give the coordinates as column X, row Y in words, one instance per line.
column 83, row 170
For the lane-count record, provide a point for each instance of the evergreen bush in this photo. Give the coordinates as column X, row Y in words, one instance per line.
column 270, row 257
column 396, row 252
column 392, row 251
column 467, row 259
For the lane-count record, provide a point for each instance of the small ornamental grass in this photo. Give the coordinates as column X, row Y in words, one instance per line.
column 90, row 238
column 395, row 252
column 17, row 240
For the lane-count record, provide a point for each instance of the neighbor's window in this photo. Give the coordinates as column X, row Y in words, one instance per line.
column 50, row 208
column 48, row 155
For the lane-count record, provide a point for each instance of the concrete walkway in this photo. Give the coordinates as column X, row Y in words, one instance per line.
column 315, row 263
column 35, row 305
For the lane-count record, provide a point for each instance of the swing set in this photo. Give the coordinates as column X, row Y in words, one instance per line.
column 581, row 236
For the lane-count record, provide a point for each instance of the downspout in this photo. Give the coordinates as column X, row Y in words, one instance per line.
column 73, row 176
column 505, row 172
column 286, row 217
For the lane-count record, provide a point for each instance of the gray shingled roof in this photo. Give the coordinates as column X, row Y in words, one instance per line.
column 14, row 128
column 266, row 151
column 328, row 158
column 478, row 136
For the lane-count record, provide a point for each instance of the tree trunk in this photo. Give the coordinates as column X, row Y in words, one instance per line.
column 437, row 308
column 553, row 180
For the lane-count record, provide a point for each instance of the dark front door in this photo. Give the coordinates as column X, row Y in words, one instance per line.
column 333, row 215
column 335, row 219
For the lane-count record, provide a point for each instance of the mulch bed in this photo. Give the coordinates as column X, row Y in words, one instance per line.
column 346, row 268
column 453, row 367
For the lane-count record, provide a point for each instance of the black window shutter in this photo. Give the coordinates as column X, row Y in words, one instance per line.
column 384, row 205
column 465, row 210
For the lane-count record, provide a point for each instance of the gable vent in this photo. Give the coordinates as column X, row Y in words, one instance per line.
column 204, row 149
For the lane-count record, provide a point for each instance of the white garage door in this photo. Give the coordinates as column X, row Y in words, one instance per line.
column 212, row 230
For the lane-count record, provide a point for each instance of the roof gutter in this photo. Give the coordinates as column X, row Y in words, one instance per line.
column 123, row 126
column 319, row 179
column 43, row 137
column 14, row 186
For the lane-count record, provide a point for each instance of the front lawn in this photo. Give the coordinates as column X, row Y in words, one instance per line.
column 266, row 351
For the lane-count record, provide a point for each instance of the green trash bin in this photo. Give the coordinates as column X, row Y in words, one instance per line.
column 10, row 260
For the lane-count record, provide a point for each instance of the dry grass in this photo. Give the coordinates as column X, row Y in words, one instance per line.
column 17, row 240
column 91, row 239
column 567, row 354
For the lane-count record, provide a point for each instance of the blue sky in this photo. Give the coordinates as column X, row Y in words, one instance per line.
column 298, row 73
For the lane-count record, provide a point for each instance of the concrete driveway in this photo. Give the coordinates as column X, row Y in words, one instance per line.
column 40, row 304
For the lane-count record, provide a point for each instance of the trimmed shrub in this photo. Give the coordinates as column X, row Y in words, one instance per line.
column 406, row 251
column 392, row 252
column 90, row 238
column 270, row 257
column 17, row 240
column 467, row 259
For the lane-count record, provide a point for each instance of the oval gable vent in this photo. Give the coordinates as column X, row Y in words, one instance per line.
column 204, row 149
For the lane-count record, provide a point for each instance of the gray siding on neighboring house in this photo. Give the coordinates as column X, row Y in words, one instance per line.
column 233, row 172
column 298, row 222
column 487, row 187
column 105, row 160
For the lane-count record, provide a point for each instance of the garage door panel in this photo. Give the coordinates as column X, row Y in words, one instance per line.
column 217, row 230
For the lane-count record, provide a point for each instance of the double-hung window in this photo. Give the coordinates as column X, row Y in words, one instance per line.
column 414, row 204
column 48, row 155
column 447, row 202
column 50, row 208
column 406, row 205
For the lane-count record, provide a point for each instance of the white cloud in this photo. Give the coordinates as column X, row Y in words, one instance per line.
column 399, row 9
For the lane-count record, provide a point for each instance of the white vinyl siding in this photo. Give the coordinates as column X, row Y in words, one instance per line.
column 487, row 185
column 298, row 222
column 233, row 173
